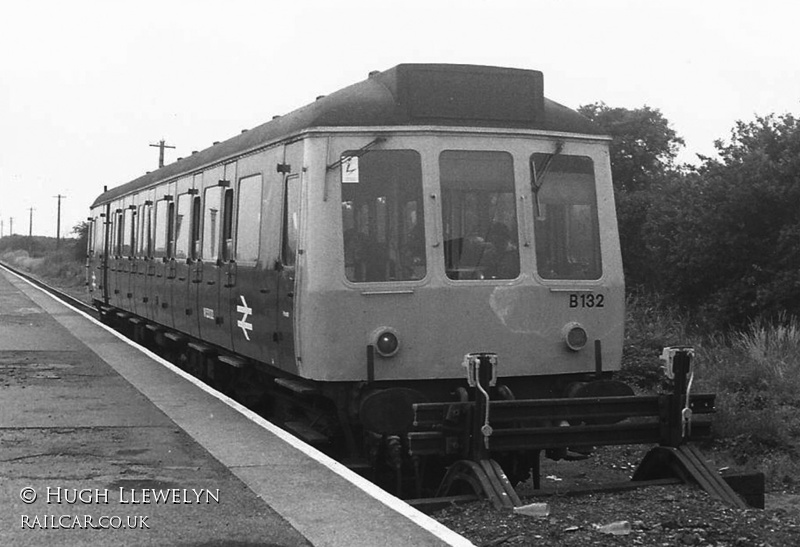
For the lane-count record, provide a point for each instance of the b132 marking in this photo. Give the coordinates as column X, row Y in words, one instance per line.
column 587, row 300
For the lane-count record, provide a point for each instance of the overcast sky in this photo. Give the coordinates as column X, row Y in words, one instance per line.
column 87, row 86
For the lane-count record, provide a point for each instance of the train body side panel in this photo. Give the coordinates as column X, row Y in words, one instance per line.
column 252, row 294
column 310, row 318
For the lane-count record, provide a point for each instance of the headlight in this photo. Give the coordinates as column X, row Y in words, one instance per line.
column 575, row 336
column 386, row 342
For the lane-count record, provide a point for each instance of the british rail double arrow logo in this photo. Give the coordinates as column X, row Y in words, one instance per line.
column 243, row 323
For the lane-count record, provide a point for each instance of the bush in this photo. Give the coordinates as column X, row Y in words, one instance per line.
column 756, row 376
column 650, row 327
column 40, row 257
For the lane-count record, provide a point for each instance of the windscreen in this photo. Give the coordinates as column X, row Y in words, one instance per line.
column 382, row 216
column 565, row 217
column 479, row 215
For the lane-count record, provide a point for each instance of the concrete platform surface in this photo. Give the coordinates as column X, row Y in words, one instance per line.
column 104, row 443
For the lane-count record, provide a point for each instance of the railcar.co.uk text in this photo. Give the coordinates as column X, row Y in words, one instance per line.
column 103, row 496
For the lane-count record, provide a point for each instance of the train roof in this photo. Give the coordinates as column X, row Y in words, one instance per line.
column 406, row 95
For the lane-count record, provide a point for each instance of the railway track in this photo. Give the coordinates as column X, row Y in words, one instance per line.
column 254, row 404
column 424, row 504
column 58, row 293
column 278, row 397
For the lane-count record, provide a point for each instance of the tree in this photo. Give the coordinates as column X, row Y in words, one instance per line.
column 81, row 231
column 643, row 148
column 732, row 249
column 643, row 151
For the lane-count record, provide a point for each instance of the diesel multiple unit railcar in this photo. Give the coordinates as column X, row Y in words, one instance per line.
column 340, row 261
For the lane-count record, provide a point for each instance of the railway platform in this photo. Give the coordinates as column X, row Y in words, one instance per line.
column 104, row 443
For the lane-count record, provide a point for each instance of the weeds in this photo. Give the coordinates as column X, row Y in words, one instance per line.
column 58, row 266
column 649, row 327
column 755, row 374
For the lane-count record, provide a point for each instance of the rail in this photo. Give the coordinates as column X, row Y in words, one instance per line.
column 536, row 423
column 475, row 431
column 58, row 293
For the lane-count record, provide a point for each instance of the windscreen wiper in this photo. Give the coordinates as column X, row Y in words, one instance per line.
column 538, row 177
column 357, row 154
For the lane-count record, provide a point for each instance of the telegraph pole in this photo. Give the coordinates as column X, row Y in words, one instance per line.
column 58, row 222
column 11, row 229
column 161, row 146
column 30, row 230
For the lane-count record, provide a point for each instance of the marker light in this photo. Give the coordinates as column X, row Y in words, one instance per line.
column 574, row 336
column 386, row 342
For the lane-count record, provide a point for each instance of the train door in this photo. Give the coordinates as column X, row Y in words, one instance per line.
column 122, row 281
column 214, row 268
column 187, row 210
column 116, row 275
column 287, row 297
column 135, row 275
column 104, row 239
column 145, row 254
column 92, row 254
column 131, row 219
column 195, row 266
column 247, row 289
column 163, row 243
column 113, row 255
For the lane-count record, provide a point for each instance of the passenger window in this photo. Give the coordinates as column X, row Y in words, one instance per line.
column 479, row 215
column 90, row 236
column 127, row 228
column 291, row 221
column 566, row 227
column 248, row 219
column 161, row 228
column 112, row 235
column 212, row 221
column 171, row 230
column 227, row 226
column 131, row 225
column 382, row 216
column 118, row 233
column 196, row 212
column 99, row 226
column 182, row 226
column 140, row 225
column 147, row 230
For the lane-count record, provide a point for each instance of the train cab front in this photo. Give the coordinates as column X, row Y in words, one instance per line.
column 424, row 247
column 428, row 247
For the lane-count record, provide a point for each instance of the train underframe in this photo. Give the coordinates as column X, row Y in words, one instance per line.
column 474, row 435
